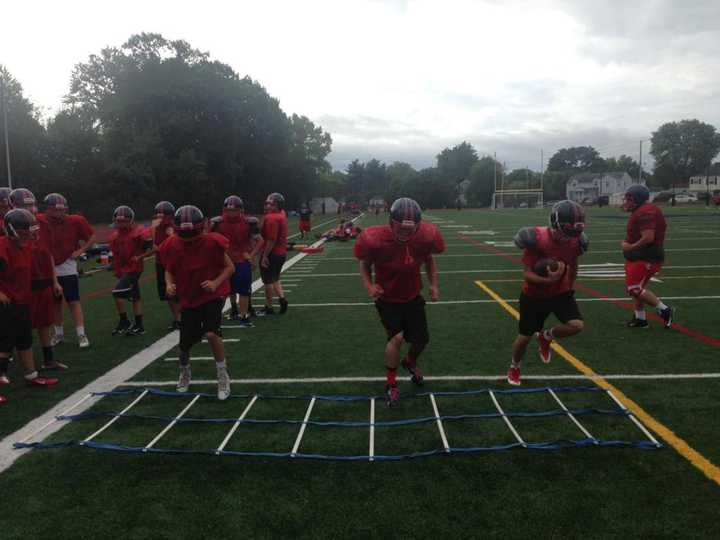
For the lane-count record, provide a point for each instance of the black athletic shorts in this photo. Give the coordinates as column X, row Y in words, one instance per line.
column 71, row 287
column 271, row 274
column 15, row 328
column 534, row 311
column 196, row 322
column 128, row 286
column 408, row 318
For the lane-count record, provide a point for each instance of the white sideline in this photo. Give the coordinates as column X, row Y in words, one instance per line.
column 44, row 426
column 451, row 378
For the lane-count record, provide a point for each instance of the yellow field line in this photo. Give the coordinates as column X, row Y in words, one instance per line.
column 708, row 468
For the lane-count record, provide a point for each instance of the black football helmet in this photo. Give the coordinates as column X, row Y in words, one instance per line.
column 165, row 209
column 21, row 225
column 276, row 201
column 23, row 198
column 189, row 221
column 405, row 217
column 635, row 196
column 123, row 217
column 56, row 205
column 568, row 218
column 254, row 225
column 233, row 202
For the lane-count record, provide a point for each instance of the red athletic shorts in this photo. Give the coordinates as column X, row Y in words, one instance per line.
column 638, row 273
column 42, row 308
column 304, row 225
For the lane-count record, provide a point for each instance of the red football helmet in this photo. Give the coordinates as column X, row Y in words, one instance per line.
column 23, row 198
column 189, row 222
column 405, row 217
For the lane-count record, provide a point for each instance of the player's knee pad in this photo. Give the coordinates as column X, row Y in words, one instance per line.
column 635, row 291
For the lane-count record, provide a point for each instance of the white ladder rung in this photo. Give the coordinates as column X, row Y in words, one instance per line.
column 115, row 418
column 439, row 424
column 572, row 416
column 236, row 425
column 371, row 452
column 294, row 450
column 634, row 420
column 171, row 424
column 507, row 420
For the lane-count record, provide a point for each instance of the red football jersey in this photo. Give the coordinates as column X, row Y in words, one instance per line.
column 237, row 230
column 163, row 231
column 42, row 261
column 645, row 218
column 568, row 250
column 15, row 270
column 397, row 265
column 126, row 244
column 67, row 233
column 193, row 261
column 275, row 227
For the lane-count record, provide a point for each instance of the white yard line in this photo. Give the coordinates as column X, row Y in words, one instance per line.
column 449, row 378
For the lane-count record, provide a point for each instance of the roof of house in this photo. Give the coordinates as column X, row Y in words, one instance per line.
column 587, row 177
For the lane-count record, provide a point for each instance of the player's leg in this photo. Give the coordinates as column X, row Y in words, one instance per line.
column 533, row 312
column 244, row 291
column 48, row 352
column 277, row 262
column 21, row 329
column 190, row 334
column 121, row 293
column 567, row 311
column 391, row 318
column 71, row 292
column 138, row 327
column 213, row 332
column 59, row 329
column 665, row 311
column 415, row 332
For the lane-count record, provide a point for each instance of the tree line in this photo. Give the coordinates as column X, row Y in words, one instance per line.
column 157, row 119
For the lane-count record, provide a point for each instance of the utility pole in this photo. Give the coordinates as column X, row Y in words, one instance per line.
column 542, row 179
column 5, row 128
column 640, row 169
column 495, row 179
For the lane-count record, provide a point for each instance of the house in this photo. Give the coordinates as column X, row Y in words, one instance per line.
column 377, row 202
column 324, row 205
column 590, row 186
column 704, row 184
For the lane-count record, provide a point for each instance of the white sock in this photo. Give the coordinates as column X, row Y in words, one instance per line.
column 660, row 307
column 221, row 365
column 80, row 330
column 547, row 334
column 59, row 331
column 514, row 364
column 640, row 315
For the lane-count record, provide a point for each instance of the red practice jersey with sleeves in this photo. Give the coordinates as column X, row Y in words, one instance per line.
column 191, row 262
column 397, row 264
column 566, row 250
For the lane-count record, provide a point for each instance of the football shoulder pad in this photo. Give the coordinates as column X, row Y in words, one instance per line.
column 584, row 243
column 526, row 238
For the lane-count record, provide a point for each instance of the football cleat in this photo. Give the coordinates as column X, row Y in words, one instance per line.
column 513, row 376
column 41, row 381
column 414, row 370
column 57, row 340
column 223, row 384
column 544, row 347
column 667, row 316
column 54, row 366
column 392, row 394
column 283, row 305
column 3, row 399
column 83, row 341
column 135, row 330
column 637, row 323
column 183, row 384
column 263, row 312
column 244, row 322
column 4, row 379
column 122, row 327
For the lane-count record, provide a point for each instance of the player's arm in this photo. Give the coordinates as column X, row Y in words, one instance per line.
column 4, row 297
column 431, row 271
column 374, row 290
column 647, row 237
column 170, row 287
column 148, row 250
column 57, row 288
column 552, row 277
column 83, row 246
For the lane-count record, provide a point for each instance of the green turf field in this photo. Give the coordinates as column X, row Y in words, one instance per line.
column 331, row 332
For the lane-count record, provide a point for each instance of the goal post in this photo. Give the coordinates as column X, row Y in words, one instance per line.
column 517, row 198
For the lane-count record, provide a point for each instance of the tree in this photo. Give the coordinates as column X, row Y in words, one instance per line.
column 454, row 163
column 686, row 148
column 576, row 158
column 483, row 175
column 400, row 174
column 623, row 164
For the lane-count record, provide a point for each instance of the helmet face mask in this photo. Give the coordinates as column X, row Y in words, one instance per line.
column 274, row 203
column 567, row 220
column 4, row 201
column 23, row 198
column 635, row 196
column 189, row 222
column 233, row 206
column 56, row 206
column 405, row 217
column 123, row 218
column 21, row 226
column 165, row 211
column 404, row 230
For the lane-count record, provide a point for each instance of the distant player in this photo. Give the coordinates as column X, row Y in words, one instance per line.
column 395, row 253
column 197, row 270
column 274, row 251
column 305, row 220
column 16, row 247
column 72, row 235
column 233, row 226
column 563, row 241
column 4, row 206
column 644, row 254
column 162, row 229
column 256, row 243
column 130, row 244
column 44, row 285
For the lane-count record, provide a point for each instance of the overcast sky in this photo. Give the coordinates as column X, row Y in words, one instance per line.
column 401, row 80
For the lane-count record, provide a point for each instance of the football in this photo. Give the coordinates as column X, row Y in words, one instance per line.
column 541, row 267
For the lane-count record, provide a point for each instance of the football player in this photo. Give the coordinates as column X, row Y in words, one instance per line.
column 162, row 228
column 644, row 254
column 16, row 247
column 395, row 253
column 4, row 206
column 197, row 270
column 72, row 235
column 233, row 226
column 274, row 250
column 549, row 291
column 130, row 244
column 45, row 288
column 305, row 224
